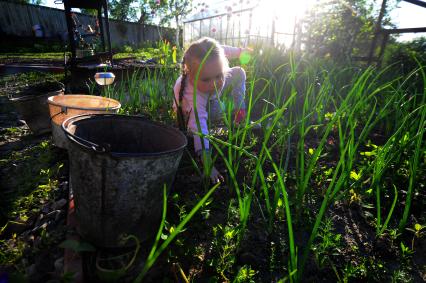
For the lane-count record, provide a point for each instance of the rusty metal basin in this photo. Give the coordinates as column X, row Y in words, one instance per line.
column 118, row 167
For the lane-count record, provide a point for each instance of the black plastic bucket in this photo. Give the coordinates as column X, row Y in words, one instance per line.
column 118, row 168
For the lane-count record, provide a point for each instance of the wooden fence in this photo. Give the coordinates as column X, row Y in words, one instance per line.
column 19, row 20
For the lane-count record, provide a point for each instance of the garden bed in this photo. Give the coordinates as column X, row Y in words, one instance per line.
column 242, row 231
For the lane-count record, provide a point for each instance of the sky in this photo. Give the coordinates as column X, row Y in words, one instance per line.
column 406, row 15
column 409, row 16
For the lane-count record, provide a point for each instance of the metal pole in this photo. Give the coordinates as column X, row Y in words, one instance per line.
column 105, row 5
column 101, row 28
column 70, row 32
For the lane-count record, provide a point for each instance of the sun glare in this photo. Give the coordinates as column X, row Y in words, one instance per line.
column 286, row 14
column 246, row 22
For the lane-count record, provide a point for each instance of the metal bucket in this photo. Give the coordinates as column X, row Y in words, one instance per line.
column 118, row 167
column 66, row 106
column 31, row 104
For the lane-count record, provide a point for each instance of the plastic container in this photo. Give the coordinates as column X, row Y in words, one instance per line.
column 104, row 78
column 118, row 168
column 66, row 106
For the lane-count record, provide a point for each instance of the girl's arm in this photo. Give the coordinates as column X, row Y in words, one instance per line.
column 187, row 103
column 234, row 52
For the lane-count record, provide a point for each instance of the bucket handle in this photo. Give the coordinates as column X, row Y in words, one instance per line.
column 116, row 274
column 87, row 144
column 64, row 110
column 96, row 148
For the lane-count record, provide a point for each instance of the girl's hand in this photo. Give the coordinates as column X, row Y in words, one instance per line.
column 216, row 177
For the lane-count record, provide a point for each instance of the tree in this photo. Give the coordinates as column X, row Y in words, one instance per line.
column 147, row 11
column 122, row 10
column 35, row 2
column 406, row 54
column 341, row 29
column 166, row 10
column 174, row 10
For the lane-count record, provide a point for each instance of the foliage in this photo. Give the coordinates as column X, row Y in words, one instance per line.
column 24, row 79
column 341, row 29
column 168, row 11
column 402, row 56
column 174, row 10
column 23, row 204
column 404, row 53
column 35, row 2
column 328, row 244
column 35, row 181
column 129, row 10
column 121, row 10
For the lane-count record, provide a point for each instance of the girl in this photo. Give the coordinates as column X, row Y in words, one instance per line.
column 215, row 78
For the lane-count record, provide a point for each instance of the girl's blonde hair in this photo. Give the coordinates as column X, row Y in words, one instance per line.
column 193, row 55
column 196, row 52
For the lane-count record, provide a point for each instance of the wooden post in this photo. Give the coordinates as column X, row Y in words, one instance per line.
column 249, row 29
column 221, row 29
column 227, row 28
column 382, row 49
column 293, row 43
column 192, row 32
column 273, row 33
column 183, row 35
column 239, row 29
column 377, row 31
column 233, row 31
column 70, row 32
column 105, row 6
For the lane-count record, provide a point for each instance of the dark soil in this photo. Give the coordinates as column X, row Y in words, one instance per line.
column 31, row 230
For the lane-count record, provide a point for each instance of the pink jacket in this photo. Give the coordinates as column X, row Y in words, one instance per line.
column 202, row 100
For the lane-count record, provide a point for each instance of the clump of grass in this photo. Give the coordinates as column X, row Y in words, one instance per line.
column 302, row 98
column 27, row 196
column 312, row 114
column 24, row 79
column 27, row 191
column 147, row 92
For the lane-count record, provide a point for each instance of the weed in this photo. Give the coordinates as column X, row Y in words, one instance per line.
column 245, row 274
column 419, row 231
column 11, row 250
column 406, row 252
column 224, row 246
column 328, row 245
